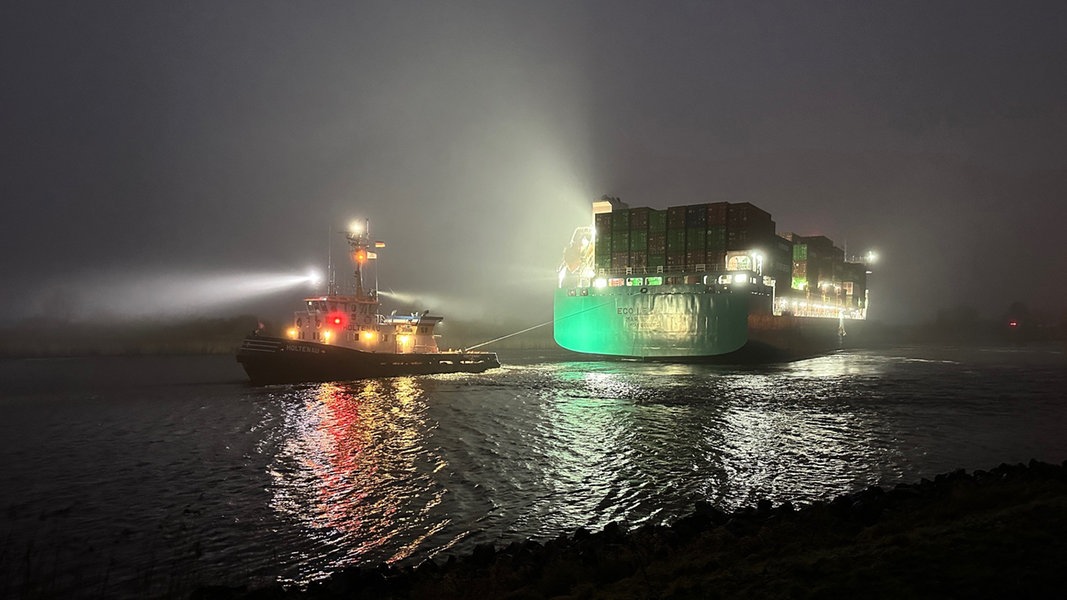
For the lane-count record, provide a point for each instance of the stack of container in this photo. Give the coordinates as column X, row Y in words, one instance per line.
column 779, row 262
column 602, row 249
column 620, row 238
column 854, row 282
column 817, row 263
column 657, row 239
column 676, row 237
column 688, row 238
column 747, row 227
column 699, row 236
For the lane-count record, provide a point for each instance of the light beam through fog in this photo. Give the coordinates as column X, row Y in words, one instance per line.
column 449, row 306
column 490, row 128
column 162, row 295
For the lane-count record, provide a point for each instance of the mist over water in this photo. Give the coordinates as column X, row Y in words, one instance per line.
column 165, row 473
column 134, row 296
column 474, row 136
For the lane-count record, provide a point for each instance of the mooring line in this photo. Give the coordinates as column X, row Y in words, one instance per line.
column 504, row 337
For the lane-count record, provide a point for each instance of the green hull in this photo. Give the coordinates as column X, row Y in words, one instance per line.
column 629, row 322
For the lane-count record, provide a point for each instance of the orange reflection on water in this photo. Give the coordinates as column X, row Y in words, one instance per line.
column 349, row 468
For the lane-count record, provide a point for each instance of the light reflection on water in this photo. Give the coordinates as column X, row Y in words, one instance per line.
column 354, row 469
column 408, row 468
column 138, row 476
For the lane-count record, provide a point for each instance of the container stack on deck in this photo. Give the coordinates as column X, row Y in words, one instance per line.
column 710, row 237
column 820, row 270
column 683, row 238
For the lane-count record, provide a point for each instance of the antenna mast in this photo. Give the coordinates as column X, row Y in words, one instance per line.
column 358, row 238
column 331, row 279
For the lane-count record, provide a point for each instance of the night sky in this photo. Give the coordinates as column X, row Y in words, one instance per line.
column 156, row 153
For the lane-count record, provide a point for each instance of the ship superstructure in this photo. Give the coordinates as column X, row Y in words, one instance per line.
column 355, row 320
column 702, row 281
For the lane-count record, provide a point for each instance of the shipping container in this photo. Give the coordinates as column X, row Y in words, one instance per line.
column 602, row 222
column 675, row 241
column 620, row 241
column 638, row 260
column 620, row 220
column 758, row 235
column 694, row 240
column 638, row 241
column 696, row 216
column 800, row 252
column 656, row 260
column 779, row 262
column 657, row 242
column 676, row 217
column 783, row 246
column 602, row 243
column 716, row 238
column 675, row 260
column 818, row 246
column 657, row 221
column 737, row 240
column 743, row 214
column 620, row 260
column 639, row 219
column 717, row 213
column 695, row 259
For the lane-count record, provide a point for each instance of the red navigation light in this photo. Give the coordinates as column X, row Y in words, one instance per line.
column 1013, row 323
column 337, row 319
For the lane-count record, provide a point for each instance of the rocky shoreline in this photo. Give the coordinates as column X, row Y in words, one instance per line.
column 987, row 534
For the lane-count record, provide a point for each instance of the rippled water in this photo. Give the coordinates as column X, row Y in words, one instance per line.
column 149, row 476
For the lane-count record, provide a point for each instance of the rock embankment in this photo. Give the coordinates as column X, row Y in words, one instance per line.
column 989, row 534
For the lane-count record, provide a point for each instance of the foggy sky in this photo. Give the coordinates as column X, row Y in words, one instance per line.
column 152, row 141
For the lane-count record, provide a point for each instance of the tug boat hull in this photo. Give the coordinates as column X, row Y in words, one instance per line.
column 272, row 360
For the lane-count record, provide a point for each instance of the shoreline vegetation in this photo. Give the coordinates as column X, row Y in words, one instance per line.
column 1000, row 533
column 41, row 338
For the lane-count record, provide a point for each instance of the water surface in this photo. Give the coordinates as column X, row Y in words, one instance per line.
column 150, row 475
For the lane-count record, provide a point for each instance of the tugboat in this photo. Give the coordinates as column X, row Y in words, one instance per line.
column 339, row 337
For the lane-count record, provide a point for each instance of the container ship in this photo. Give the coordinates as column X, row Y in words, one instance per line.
column 707, row 282
column 340, row 337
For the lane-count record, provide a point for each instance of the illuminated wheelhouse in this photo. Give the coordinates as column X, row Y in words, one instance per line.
column 355, row 320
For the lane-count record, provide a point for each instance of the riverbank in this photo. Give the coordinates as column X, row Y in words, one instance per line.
column 987, row 534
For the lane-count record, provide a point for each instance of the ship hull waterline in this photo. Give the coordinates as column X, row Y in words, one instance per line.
column 271, row 360
column 690, row 327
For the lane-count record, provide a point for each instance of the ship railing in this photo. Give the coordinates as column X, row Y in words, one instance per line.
column 811, row 308
column 657, row 270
